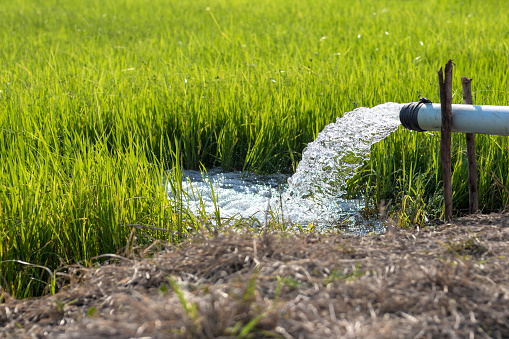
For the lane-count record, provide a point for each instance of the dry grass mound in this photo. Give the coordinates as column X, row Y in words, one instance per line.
column 446, row 281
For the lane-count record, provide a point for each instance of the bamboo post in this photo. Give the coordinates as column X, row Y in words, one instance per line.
column 445, row 141
column 473, row 198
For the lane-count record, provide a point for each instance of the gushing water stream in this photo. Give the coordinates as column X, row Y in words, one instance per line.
column 313, row 193
column 332, row 158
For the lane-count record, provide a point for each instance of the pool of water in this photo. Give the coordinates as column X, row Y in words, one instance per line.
column 260, row 199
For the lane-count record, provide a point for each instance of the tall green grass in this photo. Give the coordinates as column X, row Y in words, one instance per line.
column 97, row 97
column 404, row 171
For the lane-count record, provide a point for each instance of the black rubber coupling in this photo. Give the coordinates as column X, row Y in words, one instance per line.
column 408, row 114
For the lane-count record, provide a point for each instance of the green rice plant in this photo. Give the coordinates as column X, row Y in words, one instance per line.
column 100, row 99
column 70, row 205
column 412, row 181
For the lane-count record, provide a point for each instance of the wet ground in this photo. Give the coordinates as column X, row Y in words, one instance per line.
column 447, row 281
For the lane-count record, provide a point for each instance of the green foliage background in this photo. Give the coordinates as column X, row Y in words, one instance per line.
column 99, row 98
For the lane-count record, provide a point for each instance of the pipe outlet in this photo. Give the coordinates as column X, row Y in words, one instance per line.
column 425, row 116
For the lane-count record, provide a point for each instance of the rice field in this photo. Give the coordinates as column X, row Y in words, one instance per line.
column 100, row 99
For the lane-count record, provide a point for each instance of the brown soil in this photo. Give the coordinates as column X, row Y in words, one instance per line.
column 448, row 281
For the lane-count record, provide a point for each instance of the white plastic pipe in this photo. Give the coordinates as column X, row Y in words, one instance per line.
column 465, row 118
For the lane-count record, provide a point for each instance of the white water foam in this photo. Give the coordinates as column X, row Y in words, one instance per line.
column 313, row 193
column 332, row 158
column 235, row 194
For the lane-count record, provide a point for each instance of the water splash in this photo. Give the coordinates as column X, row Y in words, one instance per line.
column 236, row 194
column 332, row 158
column 313, row 193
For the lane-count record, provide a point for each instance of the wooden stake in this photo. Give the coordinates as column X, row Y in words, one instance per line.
column 473, row 198
column 445, row 141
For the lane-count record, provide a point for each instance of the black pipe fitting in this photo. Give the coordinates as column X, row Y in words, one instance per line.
column 408, row 114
